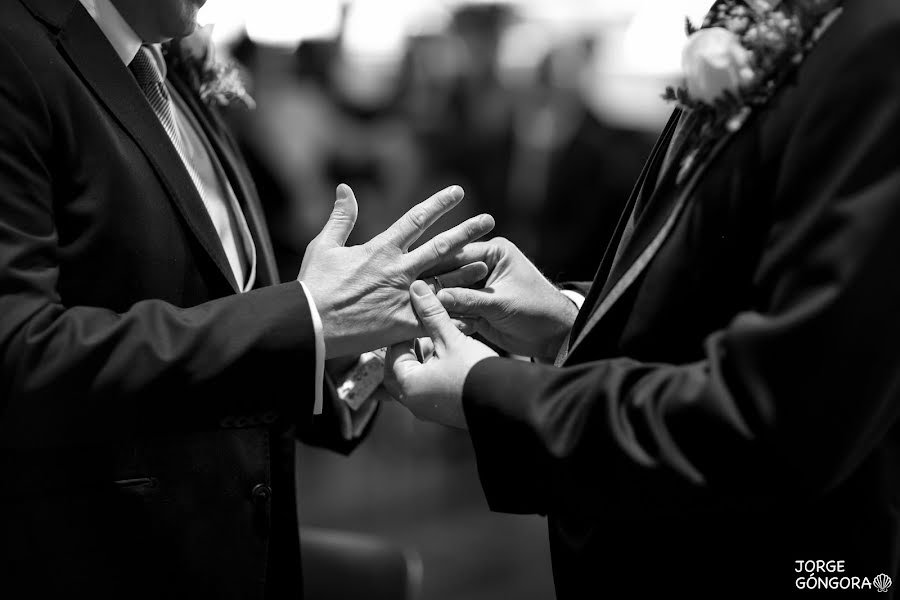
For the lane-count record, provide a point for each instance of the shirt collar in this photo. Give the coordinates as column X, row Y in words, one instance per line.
column 121, row 36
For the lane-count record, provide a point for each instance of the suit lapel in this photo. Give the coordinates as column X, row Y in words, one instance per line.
column 241, row 184
column 689, row 167
column 653, row 210
column 90, row 53
column 641, row 189
column 651, row 231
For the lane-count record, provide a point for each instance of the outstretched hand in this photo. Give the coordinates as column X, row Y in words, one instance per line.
column 362, row 292
column 433, row 391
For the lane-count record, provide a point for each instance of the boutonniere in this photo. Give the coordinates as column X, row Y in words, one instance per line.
column 216, row 81
column 736, row 61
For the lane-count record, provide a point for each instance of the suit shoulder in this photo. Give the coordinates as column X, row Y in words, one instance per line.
column 864, row 27
column 865, row 47
column 32, row 69
column 24, row 37
column 29, row 65
column 858, row 50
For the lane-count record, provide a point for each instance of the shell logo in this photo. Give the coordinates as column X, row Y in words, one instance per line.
column 882, row 583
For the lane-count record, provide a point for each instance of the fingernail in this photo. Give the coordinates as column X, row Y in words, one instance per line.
column 342, row 192
column 456, row 191
column 445, row 297
column 420, row 288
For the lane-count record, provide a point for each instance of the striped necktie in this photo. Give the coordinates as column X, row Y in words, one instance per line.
column 149, row 78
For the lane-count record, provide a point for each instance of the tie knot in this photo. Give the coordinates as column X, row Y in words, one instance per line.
column 145, row 70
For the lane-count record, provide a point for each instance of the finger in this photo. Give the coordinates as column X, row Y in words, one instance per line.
column 465, row 276
column 464, row 302
column 343, row 217
column 445, row 245
column 466, row 325
column 400, row 362
column 488, row 252
column 434, row 318
column 420, row 217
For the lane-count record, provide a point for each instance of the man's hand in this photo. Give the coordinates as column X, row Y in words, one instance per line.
column 433, row 391
column 518, row 309
column 362, row 292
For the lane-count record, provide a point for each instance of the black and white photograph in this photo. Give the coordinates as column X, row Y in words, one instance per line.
column 449, row 299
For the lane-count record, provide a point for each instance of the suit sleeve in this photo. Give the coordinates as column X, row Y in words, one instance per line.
column 76, row 374
column 790, row 396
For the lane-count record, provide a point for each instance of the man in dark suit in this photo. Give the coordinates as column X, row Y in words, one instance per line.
column 722, row 418
column 154, row 373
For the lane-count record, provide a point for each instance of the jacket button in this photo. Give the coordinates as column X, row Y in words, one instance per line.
column 261, row 492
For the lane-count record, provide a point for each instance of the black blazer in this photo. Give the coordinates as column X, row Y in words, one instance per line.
column 729, row 404
column 148, row 410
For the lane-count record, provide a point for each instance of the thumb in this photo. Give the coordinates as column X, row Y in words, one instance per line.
column 343, row 217
column 434, row 317
column 464, row 302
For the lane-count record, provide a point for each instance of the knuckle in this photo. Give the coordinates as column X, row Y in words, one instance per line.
column 340, row 217
column 463, row 297
column 432, row 311
column 417, row 218
column 499, row 248
column 441, row 245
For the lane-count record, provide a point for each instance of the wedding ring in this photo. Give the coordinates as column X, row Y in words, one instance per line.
column 437, row 284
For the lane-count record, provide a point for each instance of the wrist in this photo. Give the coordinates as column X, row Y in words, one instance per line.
column 565, row 313
column 333, row 337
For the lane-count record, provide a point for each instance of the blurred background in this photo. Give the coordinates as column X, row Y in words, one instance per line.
column 542, row 110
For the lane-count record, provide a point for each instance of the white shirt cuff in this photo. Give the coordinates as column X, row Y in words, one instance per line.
column 320, row 350
column 576, row 298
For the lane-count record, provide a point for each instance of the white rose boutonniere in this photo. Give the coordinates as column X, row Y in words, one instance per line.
column 742, row 54
column 715, row 63
column 216, row 81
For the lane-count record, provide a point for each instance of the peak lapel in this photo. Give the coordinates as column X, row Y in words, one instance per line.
column 88, row 50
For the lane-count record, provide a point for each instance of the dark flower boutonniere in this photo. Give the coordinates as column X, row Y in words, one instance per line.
column 216, row 81
column 736, row 61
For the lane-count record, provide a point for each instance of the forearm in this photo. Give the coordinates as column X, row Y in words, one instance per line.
column 68, row 372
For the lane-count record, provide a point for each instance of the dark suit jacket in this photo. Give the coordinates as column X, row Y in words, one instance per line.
column 730, row 401
column 148, row 410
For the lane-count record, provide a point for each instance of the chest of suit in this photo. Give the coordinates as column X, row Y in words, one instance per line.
column 701, row 275
column 117, row 184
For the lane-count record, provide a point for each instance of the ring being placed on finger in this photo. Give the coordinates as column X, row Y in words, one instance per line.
column 437, row 284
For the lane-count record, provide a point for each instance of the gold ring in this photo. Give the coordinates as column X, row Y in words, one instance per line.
column 437, row 284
